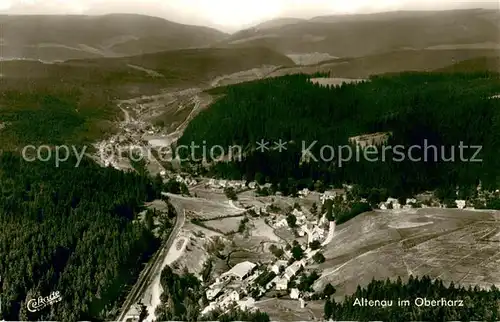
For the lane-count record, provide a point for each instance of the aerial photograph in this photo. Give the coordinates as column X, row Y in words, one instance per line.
column 249, row 160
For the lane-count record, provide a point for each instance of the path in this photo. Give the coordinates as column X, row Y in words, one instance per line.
column 153, row 268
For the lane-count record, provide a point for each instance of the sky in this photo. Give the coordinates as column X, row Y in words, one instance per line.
column 228, row 15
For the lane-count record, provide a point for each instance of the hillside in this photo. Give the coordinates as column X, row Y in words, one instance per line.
column 398, row 61
column 418, row 108
column 441, row 243
column 75, row 99
column 62, row 37
column 474, row 65
column 361, row 35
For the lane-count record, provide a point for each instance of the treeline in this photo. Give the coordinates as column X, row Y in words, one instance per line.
column 70, row 229
column 464, row 304
column 419, row 109
column 183, row 298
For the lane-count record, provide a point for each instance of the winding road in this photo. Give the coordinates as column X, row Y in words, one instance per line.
column 153, row 268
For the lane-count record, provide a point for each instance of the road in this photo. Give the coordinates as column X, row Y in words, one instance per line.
column 152, row 269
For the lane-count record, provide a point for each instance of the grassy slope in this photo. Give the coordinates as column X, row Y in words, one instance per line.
column 76, row 36
column 362, row 35
column 392, row 62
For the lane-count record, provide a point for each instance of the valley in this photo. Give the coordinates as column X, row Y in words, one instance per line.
column 153, row 225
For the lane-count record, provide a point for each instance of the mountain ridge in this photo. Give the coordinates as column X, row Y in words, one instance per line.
column 63, row 37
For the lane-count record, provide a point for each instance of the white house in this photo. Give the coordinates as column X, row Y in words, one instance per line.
column 240, row 270
column 316, row 234
column 327, row 195
column 134, row 313
column 293, row 269
column 460, row 204
column 234, row 296
column 294, row 293
column 281, row 223
column 281, row 284
column 304, row 192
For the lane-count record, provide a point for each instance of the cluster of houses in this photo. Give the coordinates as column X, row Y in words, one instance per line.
column 313, row 229
column 229, row 288
column 393, row 203
column 222, row 184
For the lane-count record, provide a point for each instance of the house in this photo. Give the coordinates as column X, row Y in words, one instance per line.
column 211, row 306
column 293, row 269
column 411, row 200
column 327, row 195
column 460, row 204
column 304, row 193
column 134, row 313
column 234, row 296
column 246, row 304
column 372, row 139
column 277, row 265
column 215, row 291
column 316, row 234
column 294, row 293
column 272, row 282
column 240, row 270
column 281, row 284
column 281, row 223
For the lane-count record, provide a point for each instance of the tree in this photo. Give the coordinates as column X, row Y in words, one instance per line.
column 297, row 252
column 148, row 220
column 291, row 220
column 315, row 244
column 230, row 193
column 319, row 258
column 259, row 178
column 276, row 251
column 328, row 309
column 184, row 190
column 328, row 291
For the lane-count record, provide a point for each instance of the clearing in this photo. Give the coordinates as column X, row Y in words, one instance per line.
column 450, row 244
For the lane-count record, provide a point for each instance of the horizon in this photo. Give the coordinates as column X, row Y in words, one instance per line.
column 235, row 16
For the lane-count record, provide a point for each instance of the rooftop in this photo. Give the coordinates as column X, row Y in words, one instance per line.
column 241, row 269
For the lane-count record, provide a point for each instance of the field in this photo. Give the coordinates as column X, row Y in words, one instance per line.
column 289, row 310
column 454, row 245
column 225, row 225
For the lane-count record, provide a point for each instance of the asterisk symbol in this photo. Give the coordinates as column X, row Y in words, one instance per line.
column 262, row 145
column 280, row 145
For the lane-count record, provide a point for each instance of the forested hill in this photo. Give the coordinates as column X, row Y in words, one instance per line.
column 69, row 229
column 444, row 109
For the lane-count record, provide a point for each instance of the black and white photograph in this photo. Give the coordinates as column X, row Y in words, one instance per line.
column 249, row 160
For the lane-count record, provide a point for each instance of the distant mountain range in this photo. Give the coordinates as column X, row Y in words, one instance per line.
column 59, row 37
column 368, row 34
column 62, row 37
